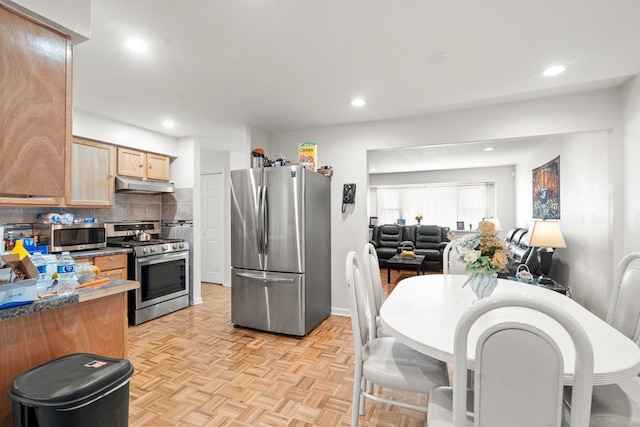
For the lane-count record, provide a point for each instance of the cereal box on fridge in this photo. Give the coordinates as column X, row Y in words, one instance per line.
column 308, row 155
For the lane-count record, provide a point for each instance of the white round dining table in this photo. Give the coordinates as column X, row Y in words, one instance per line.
column 423, row 311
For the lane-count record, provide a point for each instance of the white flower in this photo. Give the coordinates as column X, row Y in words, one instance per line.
column 471, row 256
column 483, row 252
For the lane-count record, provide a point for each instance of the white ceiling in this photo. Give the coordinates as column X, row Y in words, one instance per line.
column 452, row 156
column 279, row 65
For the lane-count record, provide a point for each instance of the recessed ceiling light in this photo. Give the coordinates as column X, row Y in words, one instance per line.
column 488, row 149
column 358, row 102
column 168, row 123
column 137, row 45
column 554, row 70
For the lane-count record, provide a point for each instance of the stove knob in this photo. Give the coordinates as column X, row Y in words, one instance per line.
column 181, row 245
column 152, row 249
column 175, row 246
column 165, row 247
column 145, row 250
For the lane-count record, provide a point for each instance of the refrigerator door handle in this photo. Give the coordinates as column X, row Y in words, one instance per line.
column 260, row 233
column 265, row 221
column 265, row 279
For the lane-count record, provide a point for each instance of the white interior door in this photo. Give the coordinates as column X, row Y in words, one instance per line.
column 213, row 218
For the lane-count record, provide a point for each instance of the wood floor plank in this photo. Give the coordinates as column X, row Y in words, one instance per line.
column 193, row 368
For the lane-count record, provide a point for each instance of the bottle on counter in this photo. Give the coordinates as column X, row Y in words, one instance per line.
column 8, row 241
column 66, row 274
column 39, row 262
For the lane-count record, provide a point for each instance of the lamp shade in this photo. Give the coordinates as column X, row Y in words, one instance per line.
column 495, row 222
column 546, row 234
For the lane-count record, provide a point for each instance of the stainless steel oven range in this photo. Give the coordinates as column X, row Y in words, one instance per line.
column 160, row 265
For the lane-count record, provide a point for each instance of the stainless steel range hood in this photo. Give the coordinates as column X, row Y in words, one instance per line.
column 138, row 186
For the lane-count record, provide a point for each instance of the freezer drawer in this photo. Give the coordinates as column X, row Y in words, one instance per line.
column 268, row 301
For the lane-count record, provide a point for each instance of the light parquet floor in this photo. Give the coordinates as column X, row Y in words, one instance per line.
column 193, row 368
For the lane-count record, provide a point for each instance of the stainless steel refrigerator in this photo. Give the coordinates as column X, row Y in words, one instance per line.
column 280, row 249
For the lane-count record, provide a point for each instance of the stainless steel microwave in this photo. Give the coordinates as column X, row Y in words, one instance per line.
column 72, row 237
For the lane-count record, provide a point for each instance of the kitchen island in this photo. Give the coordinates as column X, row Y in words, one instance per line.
column 93, row 321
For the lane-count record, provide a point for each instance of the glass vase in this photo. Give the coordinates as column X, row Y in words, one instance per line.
column 483, row 284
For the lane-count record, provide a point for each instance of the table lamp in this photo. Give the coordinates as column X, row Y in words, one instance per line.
column 546, row 236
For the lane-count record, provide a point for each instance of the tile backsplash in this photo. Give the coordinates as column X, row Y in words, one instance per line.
column 166, row 207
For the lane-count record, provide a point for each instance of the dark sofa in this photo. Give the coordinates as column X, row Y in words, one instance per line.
column 517, row 240
column 428, row 240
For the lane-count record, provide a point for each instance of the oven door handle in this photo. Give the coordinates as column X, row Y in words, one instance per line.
column 160, row 258
column 265, row 279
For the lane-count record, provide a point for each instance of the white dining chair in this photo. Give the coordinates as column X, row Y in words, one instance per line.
column 451, row 263
column 375, row 295
column 374, row 286
column 618, row 405
column 519, row 372
column 624, row 303
column 384, row 361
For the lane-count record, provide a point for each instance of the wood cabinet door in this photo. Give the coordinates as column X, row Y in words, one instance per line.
column 35, row 107
column 92, row 172
column 157, row 167
column 112, row 266
column 131, row 162
column 31, row 201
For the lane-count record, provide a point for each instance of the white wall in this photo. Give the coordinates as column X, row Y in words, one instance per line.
column 183, row 173
column 504, row 208
column 586, row 212
column 345, row 148
column 631, row 150
column 100, row 128
column 259, row 139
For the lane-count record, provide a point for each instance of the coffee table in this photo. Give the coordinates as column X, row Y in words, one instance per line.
column 398, row 261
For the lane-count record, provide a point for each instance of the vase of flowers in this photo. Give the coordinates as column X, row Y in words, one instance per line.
column 419, row 218
column 484, row 255
column 482, row 284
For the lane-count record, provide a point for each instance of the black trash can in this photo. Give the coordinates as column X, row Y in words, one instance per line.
column 76, row 390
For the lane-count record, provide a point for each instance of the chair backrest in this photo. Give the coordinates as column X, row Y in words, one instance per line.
column 360, row 314
column 624, row 304
column 390, row 235
column 375, row 234
column 428, row 237
column 519, row 369
column 451, row 263
column 372, row 274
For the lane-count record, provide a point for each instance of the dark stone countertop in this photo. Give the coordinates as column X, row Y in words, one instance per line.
column 101, row 252
column 51, row 302
column 111, row 287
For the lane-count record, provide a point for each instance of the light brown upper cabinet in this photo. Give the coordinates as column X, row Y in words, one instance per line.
column 139, row 164
column 157, row 167
column 92, row 173
column 35, row 108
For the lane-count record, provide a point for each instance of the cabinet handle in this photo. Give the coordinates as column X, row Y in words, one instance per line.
column 150, row 166
column 111, row 258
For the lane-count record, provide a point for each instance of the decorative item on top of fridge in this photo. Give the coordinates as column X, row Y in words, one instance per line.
column 326, row 170
column 308, row 155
